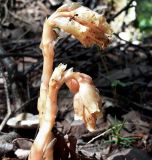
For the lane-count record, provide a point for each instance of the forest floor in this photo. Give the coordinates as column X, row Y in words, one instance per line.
column 122, row 73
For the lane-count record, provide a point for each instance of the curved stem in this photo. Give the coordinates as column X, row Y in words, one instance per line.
column 44, row 135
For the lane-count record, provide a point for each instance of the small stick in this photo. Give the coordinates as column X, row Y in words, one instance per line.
column 7, row 101
column 100, row 135
column 122, row 10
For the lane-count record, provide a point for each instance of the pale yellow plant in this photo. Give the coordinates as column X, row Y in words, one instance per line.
column 89, row 28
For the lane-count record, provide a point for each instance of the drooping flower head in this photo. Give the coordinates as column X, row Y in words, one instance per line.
column 87, row 26
column 87, row 101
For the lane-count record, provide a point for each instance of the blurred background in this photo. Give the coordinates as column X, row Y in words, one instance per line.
column 122, row 72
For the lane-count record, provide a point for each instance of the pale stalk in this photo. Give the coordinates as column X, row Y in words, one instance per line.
column 47, row 46
column 39, row 150
column 44, row 135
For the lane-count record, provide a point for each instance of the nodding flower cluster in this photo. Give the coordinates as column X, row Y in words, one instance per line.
column 89, row 28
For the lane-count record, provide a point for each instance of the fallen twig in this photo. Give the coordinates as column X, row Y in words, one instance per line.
column 122, row 10
column 20, row 55
column 7, row 101
column 8, row 62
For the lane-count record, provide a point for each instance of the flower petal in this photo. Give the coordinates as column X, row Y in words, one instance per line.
column 82, row 113
column 87, row 104
column 90, row 98
column 89, row 119
column 78, row 107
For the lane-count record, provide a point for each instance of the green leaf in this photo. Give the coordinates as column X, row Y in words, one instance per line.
column 116, row 83
column 144, row 14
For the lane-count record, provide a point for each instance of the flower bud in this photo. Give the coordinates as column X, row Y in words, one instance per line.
column 58, row 72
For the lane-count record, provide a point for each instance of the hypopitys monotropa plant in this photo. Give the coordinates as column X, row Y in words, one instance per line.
column 89, row 28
